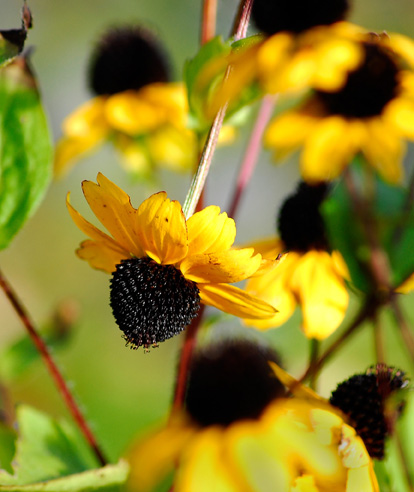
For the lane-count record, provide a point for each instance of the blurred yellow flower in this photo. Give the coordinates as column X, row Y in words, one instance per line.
column 319, row 57
column 314, row 279
column 147, row 126
column 299, row 444
column 372, row 114
column 163, row 265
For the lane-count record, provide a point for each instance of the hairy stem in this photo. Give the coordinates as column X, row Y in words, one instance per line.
column 53, row 369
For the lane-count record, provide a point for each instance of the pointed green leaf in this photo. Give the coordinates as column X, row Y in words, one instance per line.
column 46, row 449
column 25, row 148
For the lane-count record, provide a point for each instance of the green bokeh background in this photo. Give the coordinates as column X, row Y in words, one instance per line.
column 125, row 392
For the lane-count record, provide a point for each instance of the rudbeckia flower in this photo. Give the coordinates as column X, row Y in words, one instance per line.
column 135, row 107
column 372, row 114
column 307, row 272
column 241, row 433
column 163, row 265
column 306, row 44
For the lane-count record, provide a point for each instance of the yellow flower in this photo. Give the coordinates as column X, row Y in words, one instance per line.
column 313, row 279
column 319, row 57
column 299, row 444
column 164, row 265
column 148, row 127
column 372, row 114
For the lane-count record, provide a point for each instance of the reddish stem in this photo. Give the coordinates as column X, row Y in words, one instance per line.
column 241, row 22
column 252, row 152
column 53, row 369
column 185, row 359
column 208, row 24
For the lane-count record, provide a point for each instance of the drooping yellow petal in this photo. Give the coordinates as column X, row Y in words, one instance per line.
column 93, row 232
column 328, row 150
column 321, row 293
column 228, row 266
column 205, row 467
column 135, row 157
column 69, row 149
column 100, row 255
column 384, row 150
column 210, row 231
column 235, row 301
column 113, row 208
column 273, row 287
column 305, row 483
column 400, row 113
column 162, row 230
column 269, row 248
column 155, row 456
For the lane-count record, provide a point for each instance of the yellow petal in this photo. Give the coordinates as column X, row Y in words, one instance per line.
column 70, row 149
column 273, row 287
column 113, row 208
column 204, row 468
column 127, row 112
column 384, row 150
column 93, row 232
column 328, row 150
column 400, row 113
column 235, row 301
column 406, row 286
column 305, row 483
column 362, row 480
column 269, row 248
column 210, row 231
column 155, row 456
column 87, row 120
column 289, row 130
column 100, row 255
column 162, row 229
column 134, row 155
column 228, row 266
column 321, row 293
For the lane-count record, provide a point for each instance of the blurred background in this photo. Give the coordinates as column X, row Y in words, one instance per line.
column 125, row 392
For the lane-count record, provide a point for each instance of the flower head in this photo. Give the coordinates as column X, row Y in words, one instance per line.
column 163, row 265
column 307, row 273
column 135, row 107
column 372, row 113
column 240, row 431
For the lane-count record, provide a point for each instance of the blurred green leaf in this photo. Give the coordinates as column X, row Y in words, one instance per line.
column 110, row 478
column 46, row 449
column 25, row 148
column 12, row 40
column 7, row 447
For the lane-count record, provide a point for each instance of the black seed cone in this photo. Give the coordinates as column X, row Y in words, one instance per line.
column 231, row 381
column 126, row 58
column 300, row 222
column 272, row 16
column 362, row 398
column 151, row 302
column 367, row 89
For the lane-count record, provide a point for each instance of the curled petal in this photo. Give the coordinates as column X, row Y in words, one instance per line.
column 235, row 301
column 210, row 231
column 100, row 255
column 113, row 208
column 162, row 229
column 225, row 267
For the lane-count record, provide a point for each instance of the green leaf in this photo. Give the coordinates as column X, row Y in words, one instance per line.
column 12, row 40
column 110, row 478
column 25, row 149
column 46, row 449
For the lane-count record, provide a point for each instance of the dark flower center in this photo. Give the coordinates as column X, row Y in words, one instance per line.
column 363, row 399
column 231, row 381
column 367, row 89
column 127, row 58
column 272, row 16
column 300, row 222
column 151, row 302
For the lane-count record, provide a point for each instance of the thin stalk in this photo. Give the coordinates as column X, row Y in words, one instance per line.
column 404, row 329
column 378, row 339
column 53, row 369
column 403, row 461
column 208, row 23
column 252, row 151
column 185, row 359
column 366, row 312
column 197, row 185
column 314, row 346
